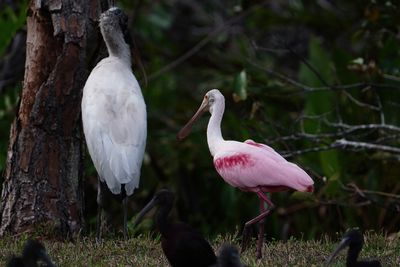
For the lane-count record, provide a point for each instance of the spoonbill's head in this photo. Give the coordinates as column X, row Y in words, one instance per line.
column 211, row 101
column 163, row 198
column 353, row 239
column 114, row 21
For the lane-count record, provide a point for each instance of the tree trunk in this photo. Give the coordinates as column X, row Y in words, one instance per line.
column 43, row 176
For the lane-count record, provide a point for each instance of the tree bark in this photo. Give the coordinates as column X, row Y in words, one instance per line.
column 43, row 178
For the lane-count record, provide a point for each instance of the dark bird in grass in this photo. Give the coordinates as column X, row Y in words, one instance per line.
column 182, row 245
column 354, row 240
column 33, row 253
column 228, row 257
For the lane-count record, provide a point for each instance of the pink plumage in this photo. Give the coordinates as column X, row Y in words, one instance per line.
column 248, row 165
column 251, row 166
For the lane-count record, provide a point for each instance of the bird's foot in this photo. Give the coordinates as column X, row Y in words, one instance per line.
column 245, row 238
column 260, row 244
column 125, row 235
column 259, row 254
column 99, row 240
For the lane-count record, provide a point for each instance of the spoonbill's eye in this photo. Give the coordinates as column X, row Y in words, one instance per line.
column 211, row 100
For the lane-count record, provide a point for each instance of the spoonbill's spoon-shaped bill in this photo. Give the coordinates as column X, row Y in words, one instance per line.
column 185, row 131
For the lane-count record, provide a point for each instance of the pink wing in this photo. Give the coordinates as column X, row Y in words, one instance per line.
column 275, row 155
column 250, row 166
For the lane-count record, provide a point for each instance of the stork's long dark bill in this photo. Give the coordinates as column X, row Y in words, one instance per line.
column 188, row 127
column 342, row 245
column 144, row 211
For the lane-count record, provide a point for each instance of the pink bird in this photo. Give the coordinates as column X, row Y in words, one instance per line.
column 249, row 166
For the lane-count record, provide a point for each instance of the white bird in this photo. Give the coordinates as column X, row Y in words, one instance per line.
column 114, row 115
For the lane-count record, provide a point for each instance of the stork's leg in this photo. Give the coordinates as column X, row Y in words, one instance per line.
column 124, row 204
column 260, row 217
column 99, row 210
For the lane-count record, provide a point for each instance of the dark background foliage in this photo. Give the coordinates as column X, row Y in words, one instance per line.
column 319, row 81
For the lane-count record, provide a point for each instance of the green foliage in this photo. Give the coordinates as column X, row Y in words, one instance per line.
column 8, row 103
column 10, row 23
column 318, row 46
column 240, row 86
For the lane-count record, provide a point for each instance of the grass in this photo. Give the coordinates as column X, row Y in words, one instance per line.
column 146, row 251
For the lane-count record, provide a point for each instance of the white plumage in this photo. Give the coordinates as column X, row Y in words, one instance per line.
column 114, row 115
column 114, row 123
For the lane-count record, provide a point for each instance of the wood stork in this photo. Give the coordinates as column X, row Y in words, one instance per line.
column 114, row 115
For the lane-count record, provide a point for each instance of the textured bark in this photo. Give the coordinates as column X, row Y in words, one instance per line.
column 44, row 163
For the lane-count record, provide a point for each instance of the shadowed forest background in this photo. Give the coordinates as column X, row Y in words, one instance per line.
column 319, row 81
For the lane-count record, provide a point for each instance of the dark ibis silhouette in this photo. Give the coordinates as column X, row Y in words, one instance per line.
column 33, row 253
column 354, row 240
column 228, row 257
column 114, row 115
column 182, row 245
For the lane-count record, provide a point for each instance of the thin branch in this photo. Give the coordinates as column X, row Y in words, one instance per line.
column 391, row 77
column 308, row 89
column 359, row 103
column 343, row 143
column 388, row 138
column 379, row 103
column 287, row 154
column 283, row 77
column 351, row 128
column 310, row 67
column 344, row 131
column 205, row 41
column 352, row 187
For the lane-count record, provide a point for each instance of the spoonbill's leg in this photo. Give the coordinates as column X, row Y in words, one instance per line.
column 260, row 217
column 99, row 210
column 261, row 226
column 124, row 204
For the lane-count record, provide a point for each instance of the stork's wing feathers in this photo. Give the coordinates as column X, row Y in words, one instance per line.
column 114, row 119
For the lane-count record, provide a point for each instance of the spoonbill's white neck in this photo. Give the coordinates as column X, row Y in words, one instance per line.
column 115, row 42
column 214, row 135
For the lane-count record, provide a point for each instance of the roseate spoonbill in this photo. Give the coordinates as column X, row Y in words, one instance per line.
column 33, row 252
column 354, row 240
column 182, row 245
column 249, row 166
column 114, row 115
column 228, row 257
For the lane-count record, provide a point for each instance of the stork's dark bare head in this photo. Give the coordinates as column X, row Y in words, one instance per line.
column 114, row 19
column 114, row 28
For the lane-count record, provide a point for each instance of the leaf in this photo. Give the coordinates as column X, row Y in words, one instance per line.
column 240, row 87
column 359, row 61
column 333, row 185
